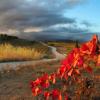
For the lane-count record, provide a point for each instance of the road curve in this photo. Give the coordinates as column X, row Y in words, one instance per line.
column 15, row 65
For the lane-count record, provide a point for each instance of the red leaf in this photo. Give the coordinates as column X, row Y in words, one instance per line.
column 35, row 83
column 46, row 95
column 52, row 77
column 77, row 71
column 36, row 91
column 70, row 72
column 62, row 70
column 66, row 97
column 89, row 69
column 45, row 84
column 56, row 95
column 80, row 62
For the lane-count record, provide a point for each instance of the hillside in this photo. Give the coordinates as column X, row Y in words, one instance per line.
column 15, row 49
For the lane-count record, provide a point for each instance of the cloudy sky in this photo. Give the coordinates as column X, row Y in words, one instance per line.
column 50, row 19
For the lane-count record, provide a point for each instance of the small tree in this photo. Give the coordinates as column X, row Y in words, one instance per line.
column 71, row 80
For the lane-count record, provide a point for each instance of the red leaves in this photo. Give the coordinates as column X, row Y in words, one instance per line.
column 35, row 83
column 56, row 95
column 44, row 77
column 77, row 71
column 80, row 62
column 36, row 91
column 44, row 81
column 90, row 47
column 69, row 59
column 77, row 60
column 46, row 95
column 84, row 48
column 70, row 72
column 52, row 77
column 98, row 60
column 61, row 71
column 66, row 97
column 45, row 84
column 89, row 69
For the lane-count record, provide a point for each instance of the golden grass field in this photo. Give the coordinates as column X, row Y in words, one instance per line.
column 63, row 47
column 9, row 52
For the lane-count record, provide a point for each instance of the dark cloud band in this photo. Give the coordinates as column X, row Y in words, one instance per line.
column 22, row 14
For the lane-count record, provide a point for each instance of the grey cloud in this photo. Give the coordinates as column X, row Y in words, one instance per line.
column 70, row 29
column 21, row 14
column 39, row 13
column 86, row 23
column 58, row 36
column 37, row 21
column 58, row 33
column 7, row 5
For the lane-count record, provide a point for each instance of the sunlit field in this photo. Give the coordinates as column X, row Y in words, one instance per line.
column 63, row 47
column 10, row 52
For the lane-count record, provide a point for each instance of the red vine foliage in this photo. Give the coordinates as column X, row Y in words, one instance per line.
column 77, row 61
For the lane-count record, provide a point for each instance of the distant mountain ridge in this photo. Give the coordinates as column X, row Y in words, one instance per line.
column 14, row 40
column 8, row 38
column 70, row 38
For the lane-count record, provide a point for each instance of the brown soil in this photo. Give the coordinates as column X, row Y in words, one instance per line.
column 14, row 85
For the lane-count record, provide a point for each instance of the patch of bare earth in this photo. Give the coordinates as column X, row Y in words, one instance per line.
column 15, row 85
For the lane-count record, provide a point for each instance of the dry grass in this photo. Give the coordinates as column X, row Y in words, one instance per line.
column 9, row 52
column 63, row 47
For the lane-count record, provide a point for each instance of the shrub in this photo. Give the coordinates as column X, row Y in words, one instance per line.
column 70, row 78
